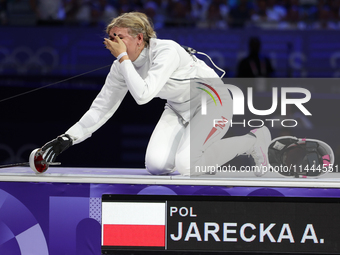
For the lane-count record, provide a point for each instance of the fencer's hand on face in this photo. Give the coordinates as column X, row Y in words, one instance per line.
column 115, row 46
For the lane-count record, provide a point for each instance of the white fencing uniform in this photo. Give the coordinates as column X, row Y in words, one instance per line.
column 164, row 69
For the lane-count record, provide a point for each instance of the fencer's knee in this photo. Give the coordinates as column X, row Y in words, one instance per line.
column 155, row 167
column 157, row 170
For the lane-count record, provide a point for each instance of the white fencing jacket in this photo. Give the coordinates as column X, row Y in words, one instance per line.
column 164, row 70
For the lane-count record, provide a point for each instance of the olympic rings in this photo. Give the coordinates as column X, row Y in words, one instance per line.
column 24, row 60
column 9, row 156
column 8, row 151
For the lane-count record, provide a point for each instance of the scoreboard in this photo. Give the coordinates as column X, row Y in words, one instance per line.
column 218, row 224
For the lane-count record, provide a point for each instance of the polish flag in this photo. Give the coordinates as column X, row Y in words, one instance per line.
column 133, row 224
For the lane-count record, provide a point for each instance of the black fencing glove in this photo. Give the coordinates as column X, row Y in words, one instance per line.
column 53, row 148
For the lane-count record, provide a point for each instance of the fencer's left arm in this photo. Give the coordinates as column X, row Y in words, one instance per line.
column 165, row 61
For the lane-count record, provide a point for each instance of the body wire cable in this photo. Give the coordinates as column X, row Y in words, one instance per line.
column 192, row 51
column 202, row 53
column 54, row 83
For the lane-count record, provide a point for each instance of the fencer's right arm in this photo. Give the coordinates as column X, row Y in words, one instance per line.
column 102, row 108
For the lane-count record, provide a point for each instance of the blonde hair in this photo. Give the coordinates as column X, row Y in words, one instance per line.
column 136, row 22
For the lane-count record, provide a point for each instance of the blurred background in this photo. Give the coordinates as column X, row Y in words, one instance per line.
column 43, row 42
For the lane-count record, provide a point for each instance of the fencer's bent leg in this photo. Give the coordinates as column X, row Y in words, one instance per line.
column 201, row 134
column 191, row 158
column 163, row 144
column 202, row 145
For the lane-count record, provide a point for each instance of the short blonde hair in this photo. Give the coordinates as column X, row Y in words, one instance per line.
column 136, row 22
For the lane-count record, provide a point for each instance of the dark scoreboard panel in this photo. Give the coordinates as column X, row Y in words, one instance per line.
column 213, row 224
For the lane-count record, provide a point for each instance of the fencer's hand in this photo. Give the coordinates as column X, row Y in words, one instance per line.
column 116, row 46
column 53, row 148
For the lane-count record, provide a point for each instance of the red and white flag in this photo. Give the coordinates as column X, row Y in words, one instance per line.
column 133, row 224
